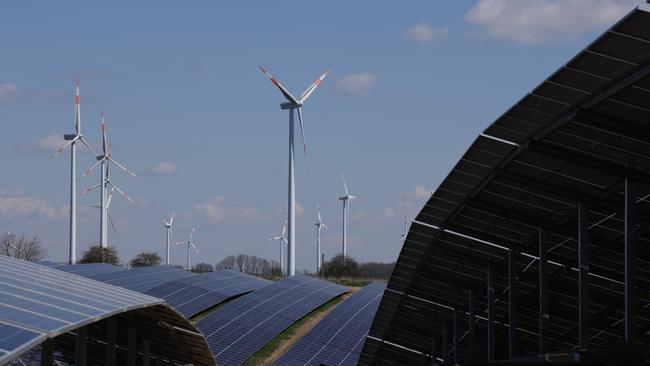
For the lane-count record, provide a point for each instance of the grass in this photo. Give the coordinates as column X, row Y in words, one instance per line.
column 262, row 356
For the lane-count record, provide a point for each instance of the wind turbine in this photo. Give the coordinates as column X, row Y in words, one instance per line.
column 319, row 225
column 406, row 223
column 168, row 229
column 104, row 161
column 346, row 213
column 283, row 240
column 292, row 104
column 73, row 138
column 190, row 244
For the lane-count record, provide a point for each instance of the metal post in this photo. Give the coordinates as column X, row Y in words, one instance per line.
column 168, row 239
column 630, row 261
column 345, row 223
column 146, row 353
column 291, row 235
column 103, row 237
column 318, row 262
column 322, row 268
column 187, row 266
column 543, row 294
column 583, row 269
column 81, row 346
column 456, row 339
column 491, row 343
column 73, row 203
column 131, row 352
column 512, row 305
column 47, row 352
column 472, row 314
column 445, row 342
column 111, row 341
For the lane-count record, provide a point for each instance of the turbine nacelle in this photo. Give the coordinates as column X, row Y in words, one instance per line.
column 290, row 105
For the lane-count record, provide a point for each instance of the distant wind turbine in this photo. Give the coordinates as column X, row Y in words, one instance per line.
column 168, row 229
column 283, row 240
column 190, row 244
column 104, row 161
column 292, row 104
column 319, row 225
column 73, row 138
column 346, row 213
column 406, row 223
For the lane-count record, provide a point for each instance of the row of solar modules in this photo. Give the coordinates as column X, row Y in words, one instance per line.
column 338, row 339
column 188, row 293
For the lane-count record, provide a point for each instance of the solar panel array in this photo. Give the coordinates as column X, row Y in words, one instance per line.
column 85, row 269
column 37, row 302
column 242, row 327
column 338, row 339
column 191, row 295
column 140, row 279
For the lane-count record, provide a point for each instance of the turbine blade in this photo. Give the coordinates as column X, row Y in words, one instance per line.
column 110, row 218
column 122, row 167
column 345, row 185
column 110, row 195
column 122, row 192
column 87, row 145
column 91, row 188
column 77, row 112
column 91, row 168
column 283, row 90
column 60, row 150
column 302, row 132
column 103, row 127
column 192, row 233
column 310, row 89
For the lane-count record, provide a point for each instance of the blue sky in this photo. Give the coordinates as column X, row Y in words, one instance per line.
column 187, row 109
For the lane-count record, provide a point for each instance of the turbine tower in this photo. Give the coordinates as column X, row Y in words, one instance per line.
column 168, row 229
column 73, row 138
column 104, row 161
column 346, row 213
column 293, row 104
column 319, row 225
column 283, row 240
column 190, row 244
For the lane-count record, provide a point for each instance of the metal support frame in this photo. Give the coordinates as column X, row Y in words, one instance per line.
column 146, row 352
column 472, row 315
column 491, row 341
column 583, row 278
column 47, row 352
column 131, row 351
column 630, row 261
column 81, row 346
column 445, row 342
column 543, row 293
column 111, row 340
column 456, row 334
column 512, row 304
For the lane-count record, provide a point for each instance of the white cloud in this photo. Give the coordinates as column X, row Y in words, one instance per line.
column 525, row 21
column 425, row 33
column 388, row 213
column 218, row 210
column 19, row 206
column 164, row 168
column 7, row 91
column 49, row 144
column 355, row 84
column 409, row 203
column 212, row 209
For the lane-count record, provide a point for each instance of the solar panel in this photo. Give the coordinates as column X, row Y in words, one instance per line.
column 85, row 269
column 38, row 302
column 241, row 328
column 338, row 339
column 143, row 278
column 191, row 295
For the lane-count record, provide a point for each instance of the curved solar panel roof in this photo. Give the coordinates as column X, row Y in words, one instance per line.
column 193, row 294
column 241, row 328
column 37, row 302
column 339, row 337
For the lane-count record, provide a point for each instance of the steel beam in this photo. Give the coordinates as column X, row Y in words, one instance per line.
column 445, row 342
column 512, row 304
column 47, row 352
column 630, row 261
column 131, row 351
column 472, row 314
column 456, row 339
column 491, row 342
column 146, row 352
column 543, row 294
column 583, row 278
column 81, row 346
column 111, row 340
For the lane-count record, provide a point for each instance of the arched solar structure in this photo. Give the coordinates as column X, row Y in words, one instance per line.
column 85, row 269
column 339, row 337
column 194, row 294
column 241, row 328
column 89, row 322
column 536, row 245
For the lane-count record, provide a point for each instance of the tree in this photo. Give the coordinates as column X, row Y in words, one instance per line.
column 340, row 266
column 29, row 249
column 145, row 259
column 97, row 254
column 202, row 267
column 251, row 264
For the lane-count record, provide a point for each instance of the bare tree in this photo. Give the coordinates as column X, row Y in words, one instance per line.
column 29, row 249
column 251, row 264
column 145, row 259
column 202, row 267
column 97, row 254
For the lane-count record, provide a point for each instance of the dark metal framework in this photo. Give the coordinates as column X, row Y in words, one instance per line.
column 552, row 202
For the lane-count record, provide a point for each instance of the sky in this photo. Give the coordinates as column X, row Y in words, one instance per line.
column 187, row 109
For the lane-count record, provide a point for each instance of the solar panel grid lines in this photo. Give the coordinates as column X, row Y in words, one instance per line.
column 13, row 338
column 242, row 327
column 143, row 278
column 338, row 339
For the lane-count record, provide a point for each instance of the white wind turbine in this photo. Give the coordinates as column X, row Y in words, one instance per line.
column 346, row 213
column 190, row 244
column 283, row 240
column 73, row 138
column 292, row 104
column 104, row 161
column 406, row 229
column 168, row 229
column 319, row 225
